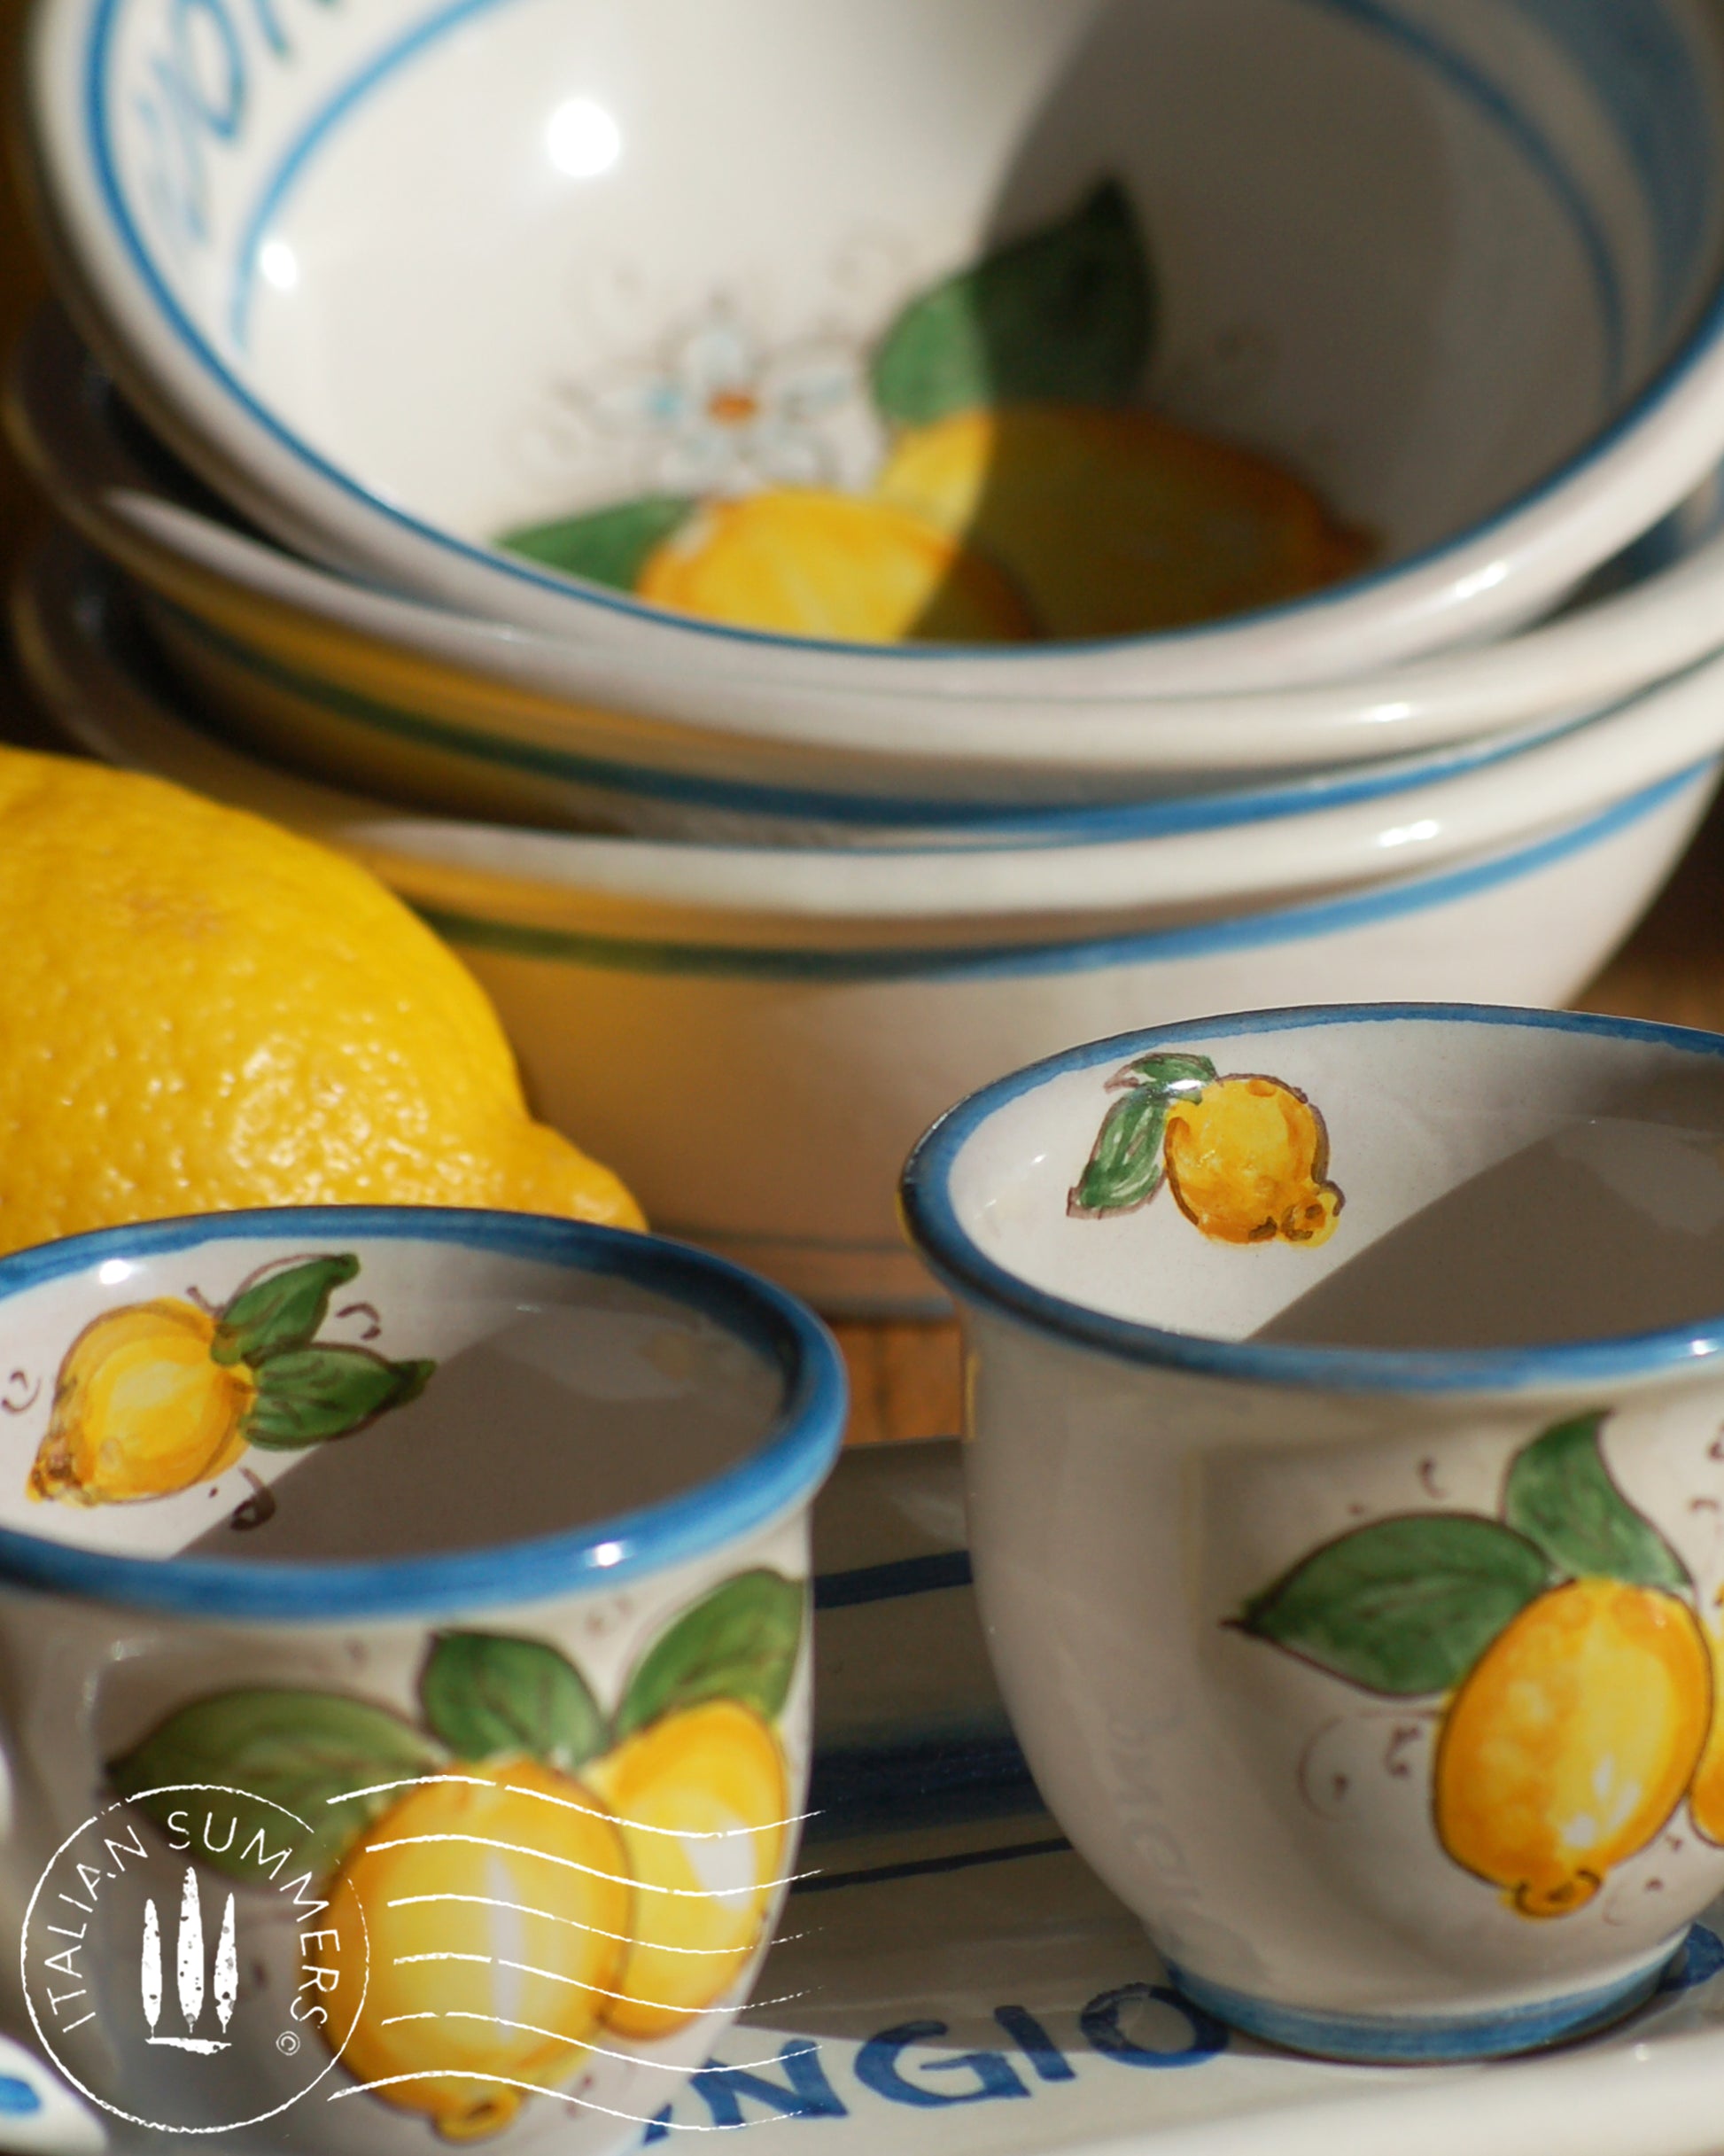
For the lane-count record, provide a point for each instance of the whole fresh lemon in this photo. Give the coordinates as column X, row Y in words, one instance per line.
column 699, row 1799
column 492, row 1911
column 1571, row 1740
column 1248, row 1161
column 805, row 563
column 203, row 1011
column 1116, row 522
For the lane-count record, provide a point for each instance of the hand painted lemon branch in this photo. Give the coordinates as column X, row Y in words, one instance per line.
column 1578, row 1683
column 1247, row 1158
column 518, row 1764
column 214, row 1381
column 1064, row 315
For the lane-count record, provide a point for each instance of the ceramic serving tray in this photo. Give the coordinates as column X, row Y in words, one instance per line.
column 950, row 1977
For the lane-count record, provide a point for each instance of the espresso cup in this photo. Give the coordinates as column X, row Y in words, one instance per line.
column 404, row 1652
column 1346, row 1494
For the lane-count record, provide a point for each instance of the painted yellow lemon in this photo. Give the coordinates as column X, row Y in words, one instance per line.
column 1571, row 1740
column 1248, row 1161
column 701, row 1798
column 1116, row 522
column 1706, row 1796
column 203, row 1011
column 804, row 563
column 496, row 1911
column 140, row 1409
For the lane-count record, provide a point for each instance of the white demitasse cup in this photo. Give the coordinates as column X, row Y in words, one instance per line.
column 1347, row 1499
column 404, row 1661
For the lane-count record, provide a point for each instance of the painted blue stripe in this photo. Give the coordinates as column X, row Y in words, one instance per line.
column 927, row 1867
column 984, row 961
column 1642, row 71
column 947, row 1247
column 1454, row 69
column 1407, row 2040
column 1098, row 824
column 1675, row 371
column 1461, row 75
column 892, row 1582
column 780, row 1475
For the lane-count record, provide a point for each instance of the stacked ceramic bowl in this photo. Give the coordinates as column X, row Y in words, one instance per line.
column 835, row 551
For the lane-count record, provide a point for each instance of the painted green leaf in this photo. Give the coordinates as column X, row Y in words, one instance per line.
column 1124, row 1167
column 738, row 1643
column 282, row 1311
column 1064, row 316
column 1403, row 1606
column 609, row 545
column 1559, row 1494
column 483, row 1693
column 309, row 1751
column 307, row 1395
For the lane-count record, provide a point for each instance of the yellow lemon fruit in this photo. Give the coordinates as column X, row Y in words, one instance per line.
column 804, row 562
column 495, row 1913
column 701, row 1798
column 203, row 1011
column 1571, row 1740
column 1247, row 1160
column 1706, row 1796
column 1115, row 522
column 139, row 1408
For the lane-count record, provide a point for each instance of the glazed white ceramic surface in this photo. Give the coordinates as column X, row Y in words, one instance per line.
column 1087, row 873
column 112, row 1629
column 426, row 703
column 1141, row 1468
column 1459, row 261
column 1043, row 2017
column 823, row 1046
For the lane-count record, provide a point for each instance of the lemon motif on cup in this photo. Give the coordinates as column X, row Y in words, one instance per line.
column 1246, row 1157
column 495, row 1909
column 1560, row 1654
column 526, row 1884
column 152, row 1397
column 1571, row 1740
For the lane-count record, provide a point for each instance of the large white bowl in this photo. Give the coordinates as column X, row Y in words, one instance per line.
column 430, row 706
column 400, row 277
column 757, row 1072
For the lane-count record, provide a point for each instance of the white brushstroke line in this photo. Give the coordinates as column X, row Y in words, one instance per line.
column 587, row 1811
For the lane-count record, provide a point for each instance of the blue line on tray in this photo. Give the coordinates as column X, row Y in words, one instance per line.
column 886, row 1583
column 920, row 1867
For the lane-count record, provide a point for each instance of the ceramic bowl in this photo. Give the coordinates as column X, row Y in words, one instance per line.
column 1343, row 1487
column 755, row 1062
column 427, row 1743
column 390, row 341
column 434, row 707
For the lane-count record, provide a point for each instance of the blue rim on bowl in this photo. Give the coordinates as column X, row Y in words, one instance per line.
column 932, row 1224
column 1444, row 58
column 786, row 1466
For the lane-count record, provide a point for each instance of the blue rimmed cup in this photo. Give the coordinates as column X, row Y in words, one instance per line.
column 404, row 1640
column 1346, row 1497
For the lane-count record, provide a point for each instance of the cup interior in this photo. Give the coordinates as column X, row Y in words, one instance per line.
column 1418, row 1185
column 260, row 1410
column 660, row 255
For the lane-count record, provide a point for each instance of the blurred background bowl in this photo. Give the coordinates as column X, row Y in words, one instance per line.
column 1457, row 267
column 434, row 709
column 754, row 1038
